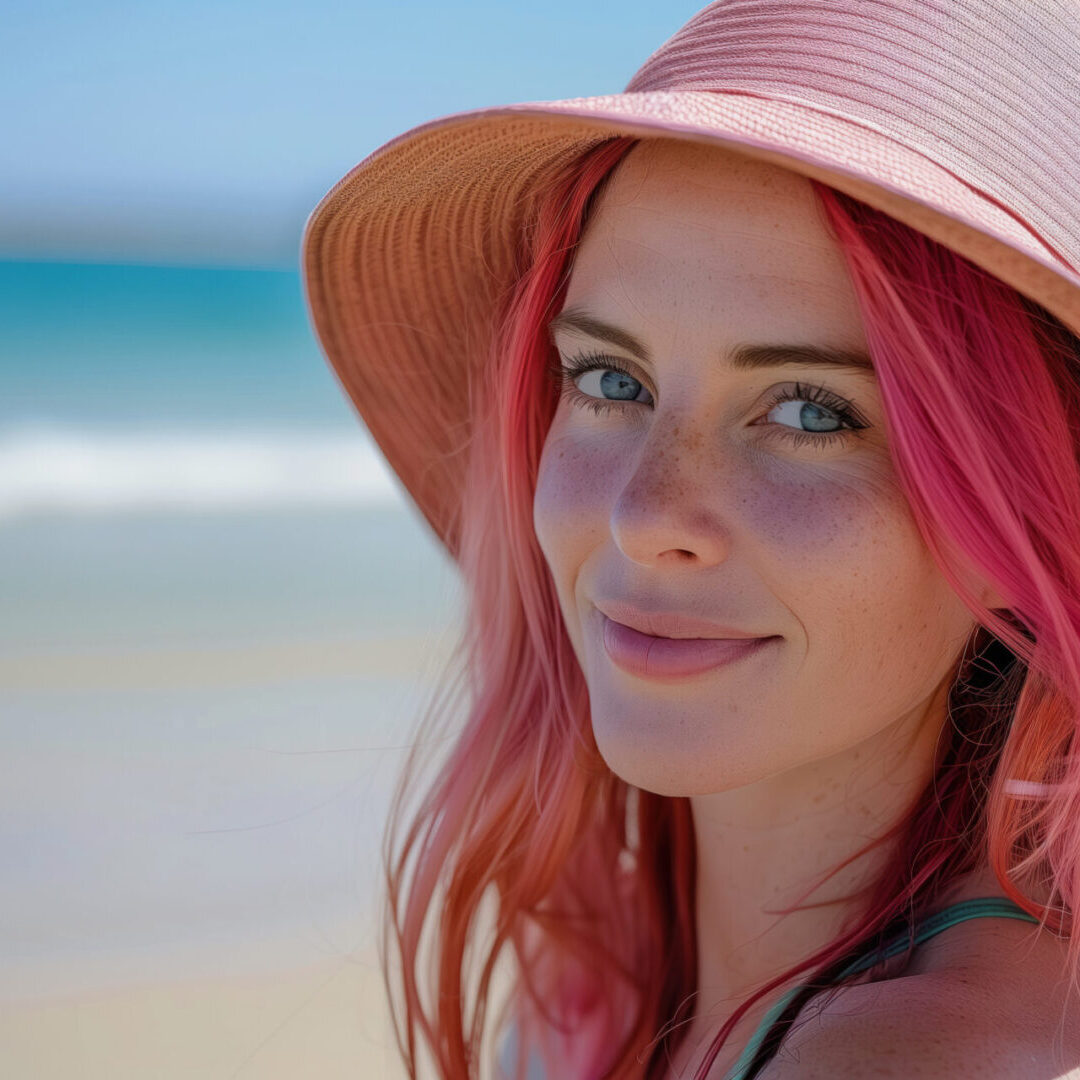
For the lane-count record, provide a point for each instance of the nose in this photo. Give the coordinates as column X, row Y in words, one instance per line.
column 666, row 509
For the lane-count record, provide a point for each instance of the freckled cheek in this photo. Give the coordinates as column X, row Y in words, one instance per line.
column 807, row 521
column 838, row 545
column 575, row 489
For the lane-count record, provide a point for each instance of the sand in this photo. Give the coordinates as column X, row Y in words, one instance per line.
column 328, row 1020
column 203, row 716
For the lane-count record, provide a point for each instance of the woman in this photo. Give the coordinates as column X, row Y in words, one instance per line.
column 758, row 456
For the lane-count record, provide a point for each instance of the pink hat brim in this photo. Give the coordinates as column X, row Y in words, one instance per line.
column 406, row 258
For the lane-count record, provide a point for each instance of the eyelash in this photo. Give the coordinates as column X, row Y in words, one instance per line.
column 565, row 374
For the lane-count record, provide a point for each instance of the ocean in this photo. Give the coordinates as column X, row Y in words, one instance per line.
column 219, row 616
column 170, row 387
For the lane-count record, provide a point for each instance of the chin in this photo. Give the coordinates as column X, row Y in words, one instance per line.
column 655, row 761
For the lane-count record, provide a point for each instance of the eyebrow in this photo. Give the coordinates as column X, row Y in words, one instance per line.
column 742, row 358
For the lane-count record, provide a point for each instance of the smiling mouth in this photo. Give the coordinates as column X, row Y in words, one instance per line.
column 648, row 656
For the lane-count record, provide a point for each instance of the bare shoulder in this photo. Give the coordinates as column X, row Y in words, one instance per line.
column 988, row 1018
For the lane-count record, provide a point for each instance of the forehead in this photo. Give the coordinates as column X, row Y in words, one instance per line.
column 686, row 234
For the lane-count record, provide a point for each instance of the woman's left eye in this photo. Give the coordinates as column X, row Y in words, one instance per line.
column 844, row 421
column 599, row 384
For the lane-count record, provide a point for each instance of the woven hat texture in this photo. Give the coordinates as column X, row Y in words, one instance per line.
column 960, row 118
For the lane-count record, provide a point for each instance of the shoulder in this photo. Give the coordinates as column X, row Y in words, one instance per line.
column 953, row 1025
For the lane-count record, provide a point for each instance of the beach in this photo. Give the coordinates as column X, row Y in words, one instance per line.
column 204, row 717
column 219, row 620
column 327, row 1020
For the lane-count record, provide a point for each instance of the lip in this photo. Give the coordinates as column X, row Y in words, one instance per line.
column 670, row 624
column 653, row 657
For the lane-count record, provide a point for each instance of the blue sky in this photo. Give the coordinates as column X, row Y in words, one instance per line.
column 204, row 133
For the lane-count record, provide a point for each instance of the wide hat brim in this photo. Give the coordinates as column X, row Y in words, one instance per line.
column 407, row 258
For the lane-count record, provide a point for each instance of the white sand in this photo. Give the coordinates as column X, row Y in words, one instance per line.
column 328, row 1021
column 203, row 717
column 326, row 1018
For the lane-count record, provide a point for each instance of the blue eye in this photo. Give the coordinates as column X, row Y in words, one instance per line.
column 821, row 403
column 610, row 383
column 596, row 382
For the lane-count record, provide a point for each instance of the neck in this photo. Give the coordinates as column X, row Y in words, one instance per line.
column 765, row 846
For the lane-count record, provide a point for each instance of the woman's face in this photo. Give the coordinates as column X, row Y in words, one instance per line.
column 698, row 492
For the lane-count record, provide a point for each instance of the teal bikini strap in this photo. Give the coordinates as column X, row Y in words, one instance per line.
column 933, row 924
column 941, row 920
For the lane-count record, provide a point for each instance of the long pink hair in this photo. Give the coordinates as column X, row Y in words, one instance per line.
column 525, row 838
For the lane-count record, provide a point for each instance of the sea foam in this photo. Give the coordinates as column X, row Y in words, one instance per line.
column 61, row 469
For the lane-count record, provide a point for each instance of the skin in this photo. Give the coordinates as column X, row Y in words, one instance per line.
column 696, row 500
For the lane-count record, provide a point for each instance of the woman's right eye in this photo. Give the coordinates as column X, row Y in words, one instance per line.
column 611, row 384
column 599, row 383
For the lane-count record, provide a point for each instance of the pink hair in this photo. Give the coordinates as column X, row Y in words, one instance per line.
column 527, row 839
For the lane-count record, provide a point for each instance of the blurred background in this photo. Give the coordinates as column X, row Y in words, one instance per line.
column 219, row 615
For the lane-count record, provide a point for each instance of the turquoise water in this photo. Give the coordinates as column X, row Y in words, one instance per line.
column 109, row 344
column 140, row 387
column 216, row 611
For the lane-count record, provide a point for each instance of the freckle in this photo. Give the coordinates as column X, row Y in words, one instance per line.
column 818, row 797
column 746, row 847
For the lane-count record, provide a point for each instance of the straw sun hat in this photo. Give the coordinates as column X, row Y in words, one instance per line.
column 959, row 118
